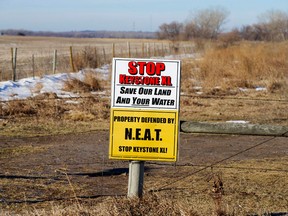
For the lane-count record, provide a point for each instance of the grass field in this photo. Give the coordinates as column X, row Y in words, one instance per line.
column 218, row 84
column 86, row 53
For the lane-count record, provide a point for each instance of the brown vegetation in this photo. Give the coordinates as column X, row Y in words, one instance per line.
column 241, row 66
column 233, row 189
column 218, row 72
column 89, row 83
column 217, row 86
column 87, row 58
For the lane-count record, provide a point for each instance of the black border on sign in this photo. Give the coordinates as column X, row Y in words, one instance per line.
column 176, row 138
column 177, row 102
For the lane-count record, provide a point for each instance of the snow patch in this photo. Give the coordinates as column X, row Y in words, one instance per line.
column 238, row 121
column 30, row 87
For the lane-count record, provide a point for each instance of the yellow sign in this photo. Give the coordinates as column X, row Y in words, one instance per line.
column 143, row 134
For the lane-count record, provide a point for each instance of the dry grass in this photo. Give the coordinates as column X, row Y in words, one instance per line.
column 242, row 66
column 150, row 205
column 48, row 114
column 43, row 127
column 221, row 72
column 87, row 58
column 235, row 72
column 16, row 151
column 44, row 116
column 248, row 108
column 249, row 187
column 88, row 84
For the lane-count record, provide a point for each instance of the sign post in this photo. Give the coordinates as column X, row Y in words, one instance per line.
column 144, row 122
column 136, row 178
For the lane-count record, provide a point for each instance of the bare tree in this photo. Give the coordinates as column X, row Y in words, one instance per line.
column 171, row 31
column 191, row 30
column 255, row 32
column 276, row 22
column 207, row 22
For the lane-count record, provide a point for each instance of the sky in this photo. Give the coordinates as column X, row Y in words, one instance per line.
column 123, row 15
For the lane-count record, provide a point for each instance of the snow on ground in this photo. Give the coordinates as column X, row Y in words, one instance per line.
column 238, row 121
column 30, row 87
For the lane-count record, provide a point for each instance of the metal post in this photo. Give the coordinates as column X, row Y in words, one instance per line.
column 136, row 178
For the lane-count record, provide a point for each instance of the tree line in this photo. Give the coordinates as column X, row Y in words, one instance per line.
column 81, row 34
column 208, row 24
column 203, row 24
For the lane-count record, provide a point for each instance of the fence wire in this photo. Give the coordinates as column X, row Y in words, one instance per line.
column 61, row 175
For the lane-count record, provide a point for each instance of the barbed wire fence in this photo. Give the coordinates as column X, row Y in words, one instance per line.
column 22, row 62
column 60, row 175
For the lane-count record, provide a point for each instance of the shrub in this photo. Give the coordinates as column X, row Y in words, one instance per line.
column 87, row 58
column 89, row 83
column 246, row 66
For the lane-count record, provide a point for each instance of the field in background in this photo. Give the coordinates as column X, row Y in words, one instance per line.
column 35, row 55
column 206, row 65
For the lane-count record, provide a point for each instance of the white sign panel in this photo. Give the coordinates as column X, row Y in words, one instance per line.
column 145, row 83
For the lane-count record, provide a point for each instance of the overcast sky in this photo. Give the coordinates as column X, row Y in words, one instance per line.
column 123, row 15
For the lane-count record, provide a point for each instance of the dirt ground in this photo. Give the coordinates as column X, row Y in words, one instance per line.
column 51, row 168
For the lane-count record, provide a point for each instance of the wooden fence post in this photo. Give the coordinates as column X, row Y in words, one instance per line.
column 148, row 50
column 33, row 66
column 54, row 61
column 122, row 55
column 14, row 63
column 2, row 70
column 128, row 47
column 12, row 60
column 71, row 60
column 96, row 57
column 104, row 55
column 113, row 50
column 142, row 52
column 1, row 73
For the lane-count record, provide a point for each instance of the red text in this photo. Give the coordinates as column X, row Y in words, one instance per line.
column 150, row 68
